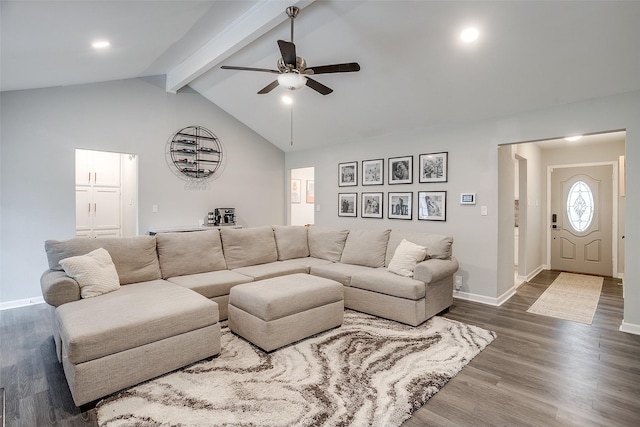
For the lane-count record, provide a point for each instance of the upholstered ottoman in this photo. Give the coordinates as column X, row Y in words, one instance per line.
column 275, row 312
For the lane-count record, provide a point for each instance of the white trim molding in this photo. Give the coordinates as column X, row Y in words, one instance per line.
column 630, row 328
column 496, row 302
column 21, row 303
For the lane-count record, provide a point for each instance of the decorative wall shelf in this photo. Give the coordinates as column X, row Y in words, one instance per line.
column 195, row 153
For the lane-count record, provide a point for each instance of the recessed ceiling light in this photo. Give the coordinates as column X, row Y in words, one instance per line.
column 469, row 35
column 100, row 44
column 287, row 100
column 573, row 138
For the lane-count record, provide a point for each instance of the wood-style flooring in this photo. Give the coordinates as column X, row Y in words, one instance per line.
column 540, row 371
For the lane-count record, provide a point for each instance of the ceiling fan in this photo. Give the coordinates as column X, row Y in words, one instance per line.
column 292, row 71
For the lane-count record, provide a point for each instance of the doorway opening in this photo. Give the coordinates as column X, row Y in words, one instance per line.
column 527, row 170
column 302, row 196
column 106, row 187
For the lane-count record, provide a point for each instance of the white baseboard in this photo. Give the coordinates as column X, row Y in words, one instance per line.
column 496, row 302
column 630, row 328
column 20, row 303
column 535, row 272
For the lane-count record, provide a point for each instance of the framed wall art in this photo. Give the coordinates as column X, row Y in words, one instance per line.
column 295, row 190
column 310, row 198
column 401, row 170
column 433, row 167
column 400, row 205
column 373, row 172
column 347, row 204
column 347, row 174
column 371, row 206
column 432, row 205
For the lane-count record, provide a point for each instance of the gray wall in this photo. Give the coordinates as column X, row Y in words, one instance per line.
column 42, row 128
column 473, row 167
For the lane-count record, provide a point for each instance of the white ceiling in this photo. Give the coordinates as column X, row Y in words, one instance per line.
column 415, row 72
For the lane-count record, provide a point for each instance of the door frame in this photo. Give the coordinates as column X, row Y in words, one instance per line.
column 614, row 214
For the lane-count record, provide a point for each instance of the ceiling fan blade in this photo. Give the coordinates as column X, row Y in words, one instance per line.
column 336, row 68
column 288, row 51
column 268, row 88
column 318, row 87
column 264, row 70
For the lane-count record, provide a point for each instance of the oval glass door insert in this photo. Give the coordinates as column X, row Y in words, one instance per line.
column 580, row 206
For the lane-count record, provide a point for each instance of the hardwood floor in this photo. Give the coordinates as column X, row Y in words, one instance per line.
column 539, row 371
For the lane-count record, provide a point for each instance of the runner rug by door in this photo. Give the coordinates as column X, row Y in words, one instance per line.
column 369, row 371
column 570, row 297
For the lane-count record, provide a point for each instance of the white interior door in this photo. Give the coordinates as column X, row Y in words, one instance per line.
column 582, row 219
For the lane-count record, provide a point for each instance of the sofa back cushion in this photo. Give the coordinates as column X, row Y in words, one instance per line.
column 248, row 246
column 327, row 243
column 366, row 247
column 135, row 258
column 438, row 246
column 190, row 253
column 291, row 241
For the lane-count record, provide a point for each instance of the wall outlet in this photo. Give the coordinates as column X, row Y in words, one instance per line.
column 458, row 282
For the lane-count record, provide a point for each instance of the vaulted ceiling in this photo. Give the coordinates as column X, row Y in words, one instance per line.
column 415, row 71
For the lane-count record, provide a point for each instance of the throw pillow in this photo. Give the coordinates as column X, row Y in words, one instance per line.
column 405, row 258
column 94, row 272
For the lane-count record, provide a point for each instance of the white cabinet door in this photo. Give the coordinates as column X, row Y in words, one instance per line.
column 83, row 209
column 106, row 208
column 106, row 169
column 98, row 168
column 83, row 168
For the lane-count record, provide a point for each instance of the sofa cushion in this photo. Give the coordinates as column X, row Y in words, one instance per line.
column 326, row 243
column 406, row 257
column 271, row 269
column 135, row 258
column 189, row 253
column 382, row 281
column 213, row 283
column 130, row 317
column 365, row 247
column 94, row 272
column 337, row 271
column 291, row 241
column 438, row 246
column 307, row 262
column 248, row 246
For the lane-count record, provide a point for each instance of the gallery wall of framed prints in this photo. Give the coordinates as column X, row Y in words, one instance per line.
column 431, row 203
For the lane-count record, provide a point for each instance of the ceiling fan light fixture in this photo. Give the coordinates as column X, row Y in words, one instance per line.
column 292, row 81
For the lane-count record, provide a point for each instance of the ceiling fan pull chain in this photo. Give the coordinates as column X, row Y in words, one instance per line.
column 292, row 125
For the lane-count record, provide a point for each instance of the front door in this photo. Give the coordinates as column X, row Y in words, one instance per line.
column 581, row 219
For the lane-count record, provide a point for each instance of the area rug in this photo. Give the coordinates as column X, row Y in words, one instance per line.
column 369, row 371
column 570, row 297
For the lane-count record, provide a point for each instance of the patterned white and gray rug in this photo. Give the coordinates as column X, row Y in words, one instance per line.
column 369, row 371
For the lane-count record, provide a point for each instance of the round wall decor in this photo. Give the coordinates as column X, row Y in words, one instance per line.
column 194, row 153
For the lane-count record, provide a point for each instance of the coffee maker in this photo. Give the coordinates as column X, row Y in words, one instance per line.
column 225, row 216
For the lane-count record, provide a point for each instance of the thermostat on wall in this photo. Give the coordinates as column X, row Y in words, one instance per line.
column 467, row 198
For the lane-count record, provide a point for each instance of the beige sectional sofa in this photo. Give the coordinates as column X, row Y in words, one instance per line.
column 174, row 289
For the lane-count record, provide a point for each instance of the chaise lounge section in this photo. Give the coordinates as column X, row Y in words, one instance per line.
column 174, row 289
